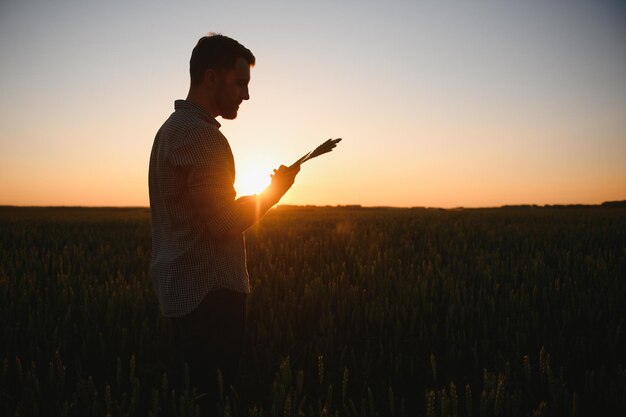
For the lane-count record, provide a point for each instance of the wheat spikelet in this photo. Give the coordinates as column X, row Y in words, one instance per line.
column 325, row 147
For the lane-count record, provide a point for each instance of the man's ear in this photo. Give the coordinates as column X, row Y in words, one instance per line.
column 210, row 78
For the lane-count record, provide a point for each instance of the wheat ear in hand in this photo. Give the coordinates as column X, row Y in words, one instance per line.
column 325, row 147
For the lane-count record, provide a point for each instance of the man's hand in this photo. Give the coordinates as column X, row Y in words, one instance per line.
column 283, row 178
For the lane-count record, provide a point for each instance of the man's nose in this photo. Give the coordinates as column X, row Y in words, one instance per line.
column 246, row 95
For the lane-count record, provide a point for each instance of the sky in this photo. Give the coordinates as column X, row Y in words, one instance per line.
column 439, row 103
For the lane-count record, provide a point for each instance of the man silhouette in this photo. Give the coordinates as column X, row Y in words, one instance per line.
column 198, row 248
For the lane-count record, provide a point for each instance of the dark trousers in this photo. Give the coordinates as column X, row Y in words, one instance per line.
column 211, row 338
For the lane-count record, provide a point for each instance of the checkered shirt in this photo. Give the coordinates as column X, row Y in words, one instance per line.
column 192, row 202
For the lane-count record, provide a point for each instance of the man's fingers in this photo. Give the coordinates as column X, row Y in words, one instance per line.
column 285, row 170
column 290, row 170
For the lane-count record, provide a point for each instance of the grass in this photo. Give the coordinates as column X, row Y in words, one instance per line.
column 354, row 311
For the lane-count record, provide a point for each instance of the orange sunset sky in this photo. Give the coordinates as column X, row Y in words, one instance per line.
column 439, row 103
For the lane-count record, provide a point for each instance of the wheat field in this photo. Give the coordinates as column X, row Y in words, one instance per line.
column 353, row 312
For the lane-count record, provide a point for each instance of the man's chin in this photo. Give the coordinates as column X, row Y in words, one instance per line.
column 230, row 116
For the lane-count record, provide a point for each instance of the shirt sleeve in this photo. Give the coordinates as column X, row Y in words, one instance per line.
column 205, row 163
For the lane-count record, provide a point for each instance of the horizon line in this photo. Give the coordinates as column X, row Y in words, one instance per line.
column 278, row 206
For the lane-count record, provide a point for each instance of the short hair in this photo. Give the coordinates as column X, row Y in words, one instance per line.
column 216, row 51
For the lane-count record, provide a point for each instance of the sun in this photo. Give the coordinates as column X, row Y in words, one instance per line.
column 252, row 177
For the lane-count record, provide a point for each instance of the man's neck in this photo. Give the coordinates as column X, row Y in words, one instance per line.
column 202, row 101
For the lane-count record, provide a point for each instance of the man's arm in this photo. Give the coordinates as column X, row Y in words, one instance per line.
column 224, row 216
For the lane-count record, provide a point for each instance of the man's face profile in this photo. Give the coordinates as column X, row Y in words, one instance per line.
column 232, row 88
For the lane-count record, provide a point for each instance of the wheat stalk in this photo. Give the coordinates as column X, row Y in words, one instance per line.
column 325, row 147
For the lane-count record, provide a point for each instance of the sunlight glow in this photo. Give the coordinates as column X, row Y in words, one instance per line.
column 439, row 105
column 253, row 176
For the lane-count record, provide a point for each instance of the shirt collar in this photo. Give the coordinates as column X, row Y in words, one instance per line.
column 196, row 109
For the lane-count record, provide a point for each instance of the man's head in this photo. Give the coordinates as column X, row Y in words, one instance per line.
column 220, row 73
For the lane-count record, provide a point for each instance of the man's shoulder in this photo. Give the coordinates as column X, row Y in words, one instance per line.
column 184, row 127
column 185, row 121
column 189, row 139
